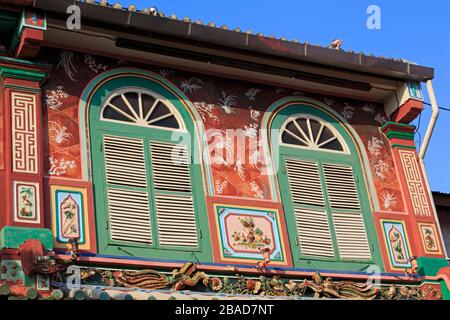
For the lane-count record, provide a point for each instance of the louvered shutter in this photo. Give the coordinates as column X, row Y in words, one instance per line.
column 314, row 233
column 346, row 212
column 127, row 195
column 312, row 225
column 175, row 213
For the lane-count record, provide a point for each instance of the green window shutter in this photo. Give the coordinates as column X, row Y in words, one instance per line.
column 346, row 212
column 175, row 210
column 127, row 194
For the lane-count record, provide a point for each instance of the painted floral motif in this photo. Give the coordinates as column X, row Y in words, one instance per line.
column 348, row 112
column 250, row 237
column 388, row 200
column 329, row 102
column 58, row 134
column 374, row 146
column 251, row 93
column 59, row 167
column 69, row 218
column 206, row 111
column 192, row 85
column 227, row 102
column 397, row 245
column 380, row 119
column 369, row 108
column 66, row 62
column 251, row 131
column 53, row 98
column 257, row 191
column 381, row 168
column 26, row 201
column 220, row 186
column 90, row 61
column 255, row 114
column 166, row 72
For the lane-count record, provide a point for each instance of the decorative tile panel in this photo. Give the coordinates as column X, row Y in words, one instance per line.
column 430, row 239
column 397, row 243
column 415, row 183
column 26, row 202
column 24, row 133
column 69, row 215
column 243, row 231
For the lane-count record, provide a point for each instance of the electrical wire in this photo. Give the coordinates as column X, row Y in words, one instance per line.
column 441, row 108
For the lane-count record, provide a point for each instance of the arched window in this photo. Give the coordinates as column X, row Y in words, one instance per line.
column 146, row 187
column 322, row 190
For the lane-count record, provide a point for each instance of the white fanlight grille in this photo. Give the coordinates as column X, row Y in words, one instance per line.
column 129, row 215
column 314, row 233
column 125, row 161
column 304, row 182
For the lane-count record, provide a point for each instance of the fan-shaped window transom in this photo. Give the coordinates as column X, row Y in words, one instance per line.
column 306, row 131
column 140, row 107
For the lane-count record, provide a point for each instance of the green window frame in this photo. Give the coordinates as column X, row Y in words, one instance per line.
column 146, row 139
column 314, row 164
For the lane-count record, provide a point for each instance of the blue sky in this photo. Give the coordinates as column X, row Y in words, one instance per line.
column 409, row 30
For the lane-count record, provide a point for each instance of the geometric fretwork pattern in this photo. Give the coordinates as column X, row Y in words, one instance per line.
column 24, row 133
column 416, row 186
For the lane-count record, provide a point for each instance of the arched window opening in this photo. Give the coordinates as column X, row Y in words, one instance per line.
column 322, row 189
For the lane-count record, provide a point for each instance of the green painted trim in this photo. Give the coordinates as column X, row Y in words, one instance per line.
column 22, row 88
column 27, row 62
column 99, row 128
column 18, row 73
column 431, row 266
column 320, row 157
column 391, row 123
column 400, row 135
column 14, row 237
column 445, row 290
column 396, row 145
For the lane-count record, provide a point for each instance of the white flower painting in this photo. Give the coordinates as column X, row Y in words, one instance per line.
column 92, row 64
column 53, row 98
column 375, row 146
column 258, row 193
column 66, row 62
column 369, row 108
column 227, row 102
column 348, row 112
column 58, row 134
column 388, row 199
column 59, row 167
column 381, row 168
column 220, row 186
column 380, row 119
column 251, row 93
column 192, row 85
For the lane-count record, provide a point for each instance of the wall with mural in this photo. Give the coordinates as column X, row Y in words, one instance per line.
column 222, row 104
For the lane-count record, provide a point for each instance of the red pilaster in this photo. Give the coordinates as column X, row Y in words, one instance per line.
column 420, row 219
column 21, row 177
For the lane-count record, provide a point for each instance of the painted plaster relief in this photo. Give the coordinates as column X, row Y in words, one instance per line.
column 222, row 105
